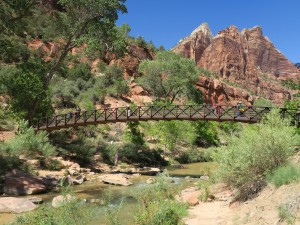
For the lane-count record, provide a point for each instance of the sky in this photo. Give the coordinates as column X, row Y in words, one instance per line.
column 165, row 22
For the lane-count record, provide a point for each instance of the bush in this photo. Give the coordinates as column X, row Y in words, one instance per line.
column 28, row 142
column 284, row 175
column 151, row 209
column 193, row 155
column 9, row 163
column 260, row 149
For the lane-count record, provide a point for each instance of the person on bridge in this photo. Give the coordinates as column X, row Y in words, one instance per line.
column 70, row 114
column 240, row 109
column 217, row 110
column 77, row 113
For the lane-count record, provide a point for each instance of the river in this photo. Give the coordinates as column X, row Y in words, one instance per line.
column 95, row 190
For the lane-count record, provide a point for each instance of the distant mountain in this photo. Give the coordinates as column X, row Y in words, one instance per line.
column 247, row 61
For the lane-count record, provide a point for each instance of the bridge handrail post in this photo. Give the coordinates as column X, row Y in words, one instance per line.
column 47, row 122
column 164, row 107
column 151, row 111
column 95, row 115
column 65, row 118
column 116, row 113
column 56, row 120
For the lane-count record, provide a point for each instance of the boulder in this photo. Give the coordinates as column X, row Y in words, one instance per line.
column 66, row 181
column 150, row 181
column 61, row 200
column 75, row 166
column 15, row 205
column 20, row 183
column 190, row 196
column 79, row 180
column 115, row 179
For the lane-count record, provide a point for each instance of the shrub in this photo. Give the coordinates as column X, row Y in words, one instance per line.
column 204, row 185
column 151, row 209
column 28, row 142
column 260, row 149
column 284, row 175
column 288, row 211
column 132, row 153
column 193, row 155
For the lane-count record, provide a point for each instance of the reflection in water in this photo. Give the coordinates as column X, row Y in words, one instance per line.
column 124, row 194
column 193, row 169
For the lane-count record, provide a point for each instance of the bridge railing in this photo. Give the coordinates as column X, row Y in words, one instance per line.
column 181, row 112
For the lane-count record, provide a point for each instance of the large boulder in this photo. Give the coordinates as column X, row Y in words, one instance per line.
column 190, row 196
column 115, row 179
column 20, row 183
column 15, row 205
column 61, row 200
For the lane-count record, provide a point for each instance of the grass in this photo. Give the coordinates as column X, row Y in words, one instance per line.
column 284, row 175
column 286, row 213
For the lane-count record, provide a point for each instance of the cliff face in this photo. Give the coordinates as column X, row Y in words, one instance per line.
column 194, row 45
column 247, row 60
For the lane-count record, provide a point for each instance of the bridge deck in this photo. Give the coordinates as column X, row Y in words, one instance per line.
column 173, row 112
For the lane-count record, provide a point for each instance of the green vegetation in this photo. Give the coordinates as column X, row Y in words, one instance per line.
column 284, row 175
column 263, row 102
column 168, row 76
column 71, row 211
column 27, row 143
column 71, row 24
column 152, row 211
column 258, row 150
column 288, row 211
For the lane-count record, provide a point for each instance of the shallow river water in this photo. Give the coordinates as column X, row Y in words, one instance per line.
column 95, row 190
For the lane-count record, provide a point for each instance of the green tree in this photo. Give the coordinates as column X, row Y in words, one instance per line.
column 133, row 134
column 71, row 23
column 168, row 76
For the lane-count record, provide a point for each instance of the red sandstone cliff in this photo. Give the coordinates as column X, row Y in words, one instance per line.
column 247, row 60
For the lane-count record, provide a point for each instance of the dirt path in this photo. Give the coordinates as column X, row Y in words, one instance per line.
column 261, row 210
column 210, row 213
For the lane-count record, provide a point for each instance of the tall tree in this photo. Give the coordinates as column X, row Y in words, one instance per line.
column 70, row 23
column 168, row 76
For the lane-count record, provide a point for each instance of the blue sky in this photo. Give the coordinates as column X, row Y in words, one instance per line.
column 165, row 22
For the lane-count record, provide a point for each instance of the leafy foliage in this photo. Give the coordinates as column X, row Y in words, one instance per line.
column 133, row 134
column 70, row 24
column 168, row 76
column 29, row 143
column 152, row 212
column 259, row 150
column 284, row 175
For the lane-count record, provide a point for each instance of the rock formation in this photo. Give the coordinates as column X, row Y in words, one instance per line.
column 247, row 60
column 194, row 45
